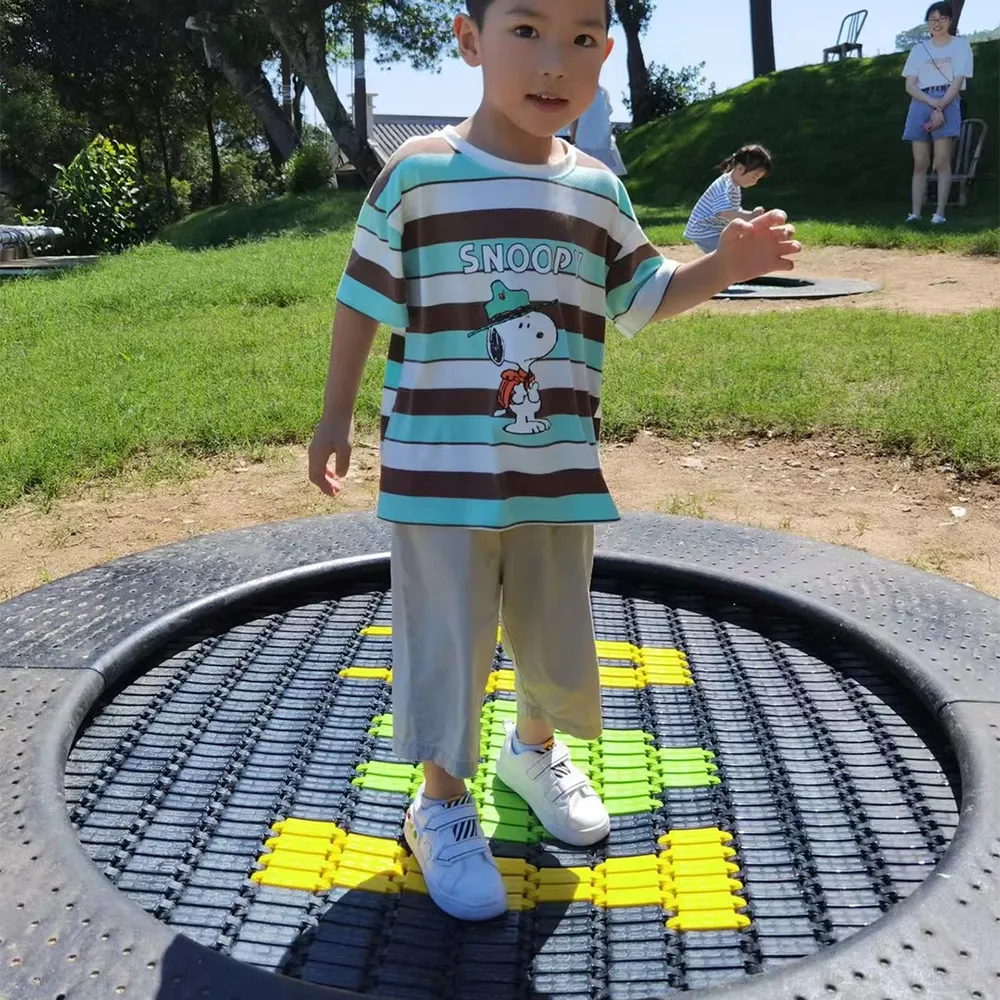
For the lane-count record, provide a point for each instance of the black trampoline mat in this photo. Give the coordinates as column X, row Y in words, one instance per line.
column 772, row 792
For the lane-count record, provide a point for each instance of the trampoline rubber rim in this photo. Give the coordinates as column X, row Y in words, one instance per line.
column 117, row 665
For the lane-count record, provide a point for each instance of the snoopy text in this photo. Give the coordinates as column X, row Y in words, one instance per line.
column 546, row 258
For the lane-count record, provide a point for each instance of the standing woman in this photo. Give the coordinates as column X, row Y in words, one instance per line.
column 592, row 133
column 935, row 72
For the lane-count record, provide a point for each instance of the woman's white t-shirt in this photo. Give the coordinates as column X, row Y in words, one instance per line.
column 594, row 134
column 937, row 65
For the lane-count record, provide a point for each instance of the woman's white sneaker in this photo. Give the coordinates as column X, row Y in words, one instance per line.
column 454, row 857
column 938, row 220
column 558, row 792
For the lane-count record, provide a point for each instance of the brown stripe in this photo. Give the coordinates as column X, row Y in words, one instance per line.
column 623, row 271
column 485, row 486
column 383, row 427
column 377, row 278
column 483, row 402
column 470, row 316
column 397, row 347
column 597, row 430
column 511, row 223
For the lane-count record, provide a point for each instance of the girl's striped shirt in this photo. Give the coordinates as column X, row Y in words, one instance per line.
column 722, row 195
column 497, row 279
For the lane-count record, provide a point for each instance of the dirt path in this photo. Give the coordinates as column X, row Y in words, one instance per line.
column 913, row 282
column 818, row 489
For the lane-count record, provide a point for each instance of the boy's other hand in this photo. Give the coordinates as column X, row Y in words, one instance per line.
column 331, row 439
column 764, row 244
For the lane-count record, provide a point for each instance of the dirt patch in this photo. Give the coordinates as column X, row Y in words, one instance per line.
column 817, row 488
column 912, row 282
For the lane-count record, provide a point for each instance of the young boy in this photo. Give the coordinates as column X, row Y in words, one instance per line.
column 496, row 252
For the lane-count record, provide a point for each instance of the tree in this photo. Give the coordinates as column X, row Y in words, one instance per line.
column 236, row 43
column 418, row 30
column 634, row 17
column 762, row 37
column 669, row 91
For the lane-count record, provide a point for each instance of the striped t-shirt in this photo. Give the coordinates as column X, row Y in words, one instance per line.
column 497, row 279
column 722, row 195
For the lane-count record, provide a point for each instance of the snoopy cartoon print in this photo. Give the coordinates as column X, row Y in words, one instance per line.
column 518, row 335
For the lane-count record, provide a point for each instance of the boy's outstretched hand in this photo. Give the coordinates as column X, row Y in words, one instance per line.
column 755, row 247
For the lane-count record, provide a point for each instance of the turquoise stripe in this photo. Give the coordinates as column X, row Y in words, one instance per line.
column 487, row 430
column 433, row 168
column 393, row 374
column 457, row 345
column 376, row 222
column 621, row 299
column 369, row 302
column 598, row 182
column 443, row 258
column 577, row 508
column 436, row 168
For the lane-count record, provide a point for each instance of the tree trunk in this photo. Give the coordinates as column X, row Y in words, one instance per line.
column 252, row 86
column 956, row 7
column 302, row 34
column 215, row 194
column 762, row 34
column 638, row 74
column 165, row 154
column 297, row 106
column 286, row 88
column 360, row 85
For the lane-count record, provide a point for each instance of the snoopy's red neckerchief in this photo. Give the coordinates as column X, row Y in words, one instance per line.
column 511, row 378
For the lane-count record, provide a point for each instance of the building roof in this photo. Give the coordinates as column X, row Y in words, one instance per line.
column 386, row 133
column 389, row 132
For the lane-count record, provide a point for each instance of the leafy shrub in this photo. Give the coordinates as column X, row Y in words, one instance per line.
column 99, row 200
column 309, row 168
column 669, row 91
column 240, row 185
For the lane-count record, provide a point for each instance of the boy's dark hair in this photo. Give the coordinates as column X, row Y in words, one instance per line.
column 477, row 10
column 751, row 157
column 943, row 9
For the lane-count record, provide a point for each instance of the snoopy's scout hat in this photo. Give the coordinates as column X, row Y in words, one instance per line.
column 508, row 304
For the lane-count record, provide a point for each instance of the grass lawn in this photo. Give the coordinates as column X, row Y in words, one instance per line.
column 162, row 353
column 875, row 226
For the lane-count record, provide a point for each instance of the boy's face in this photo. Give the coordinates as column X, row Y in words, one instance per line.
column 541, row 59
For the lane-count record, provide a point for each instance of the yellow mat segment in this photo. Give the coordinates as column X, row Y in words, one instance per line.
column 692, row 879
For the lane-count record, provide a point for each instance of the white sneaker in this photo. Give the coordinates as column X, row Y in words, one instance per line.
column 912, row 218
column 455, row 860
column 557, row 791
column 937, row 220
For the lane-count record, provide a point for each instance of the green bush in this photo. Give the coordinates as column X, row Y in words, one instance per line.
column 240, row 185
column 99, row 200
column 309, row 168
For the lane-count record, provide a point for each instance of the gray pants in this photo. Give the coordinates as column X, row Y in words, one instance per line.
column 449, row 586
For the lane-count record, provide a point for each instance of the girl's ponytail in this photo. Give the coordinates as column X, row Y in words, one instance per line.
column 752, row 157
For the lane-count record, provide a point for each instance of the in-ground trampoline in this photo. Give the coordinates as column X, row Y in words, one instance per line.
column 799, row 755
column 773, row 286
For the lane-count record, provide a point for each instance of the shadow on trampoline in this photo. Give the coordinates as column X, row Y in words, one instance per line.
column 365, row 943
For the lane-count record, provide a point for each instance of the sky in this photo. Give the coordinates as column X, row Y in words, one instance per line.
column 680, row 34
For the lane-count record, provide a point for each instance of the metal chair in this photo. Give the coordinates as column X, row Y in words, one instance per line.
column 847, row 38
column 964, row 159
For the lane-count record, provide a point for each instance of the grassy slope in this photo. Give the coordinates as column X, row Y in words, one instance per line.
column 835, row 133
